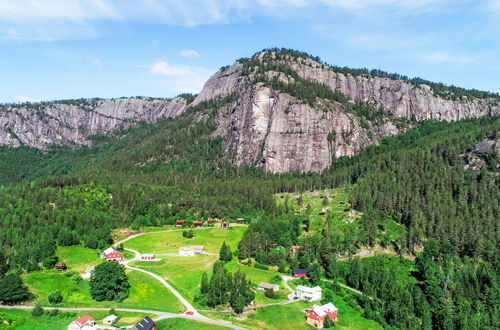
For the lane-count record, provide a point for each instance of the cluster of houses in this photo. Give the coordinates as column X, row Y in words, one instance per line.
column 87, row 322
column 208, row 222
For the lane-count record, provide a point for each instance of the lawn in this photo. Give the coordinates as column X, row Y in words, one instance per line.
column 168, row 242
column 77, row 257
column 184, row 273
column 184, row 324
column 145, row 292
column 25, row 321
column 256, row 275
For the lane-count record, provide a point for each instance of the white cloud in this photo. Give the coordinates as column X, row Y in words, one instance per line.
column 180, row 78
column 94, row 60
column 447, row 57
column 494, row 6
column 24, row 99
column 191, row 53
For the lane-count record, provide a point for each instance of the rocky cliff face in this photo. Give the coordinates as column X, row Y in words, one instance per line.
column 73, row 123
column 280, row 132
column 271, row 120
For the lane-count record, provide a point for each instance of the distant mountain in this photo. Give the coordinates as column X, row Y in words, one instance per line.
column 281, row 110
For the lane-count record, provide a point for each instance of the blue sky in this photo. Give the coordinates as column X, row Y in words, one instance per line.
column 59, row 49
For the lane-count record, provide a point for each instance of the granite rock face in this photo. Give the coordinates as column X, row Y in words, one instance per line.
column 41, row 125
column 280, row 133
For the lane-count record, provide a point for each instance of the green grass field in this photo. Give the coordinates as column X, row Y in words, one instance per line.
column 184, row 324
column 168, row 242
column 145, row 292
column 23, row 320
column 256, row 275
column 77, row 257
column 184, row 273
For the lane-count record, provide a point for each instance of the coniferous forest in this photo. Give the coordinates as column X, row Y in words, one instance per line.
column 153, row 174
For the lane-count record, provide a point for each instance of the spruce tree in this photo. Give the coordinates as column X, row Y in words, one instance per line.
column 225, row 254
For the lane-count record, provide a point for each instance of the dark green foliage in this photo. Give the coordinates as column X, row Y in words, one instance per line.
column 49, row 262
column 188, row 234
column 37, row 310
column 55, row 297
column 270, row 293
column 204, row 287
column 12, row 289
column 225, row 253
column 3, row 264
column 109, row 282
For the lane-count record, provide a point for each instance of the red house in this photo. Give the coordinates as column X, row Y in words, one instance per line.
column 224, row 224
column 197, row 224
column 301, row 272
column 316, row 316
column 180, row 223
column 110, row 254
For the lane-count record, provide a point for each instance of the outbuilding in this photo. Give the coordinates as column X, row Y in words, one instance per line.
column 110, row 319
column 180, row 223
column 149, row 256
column 267, row 286
column 225, row 224
column 145, row 324
column 301, row 272
column 198, row 224
column 307, row 293
column 317, row 315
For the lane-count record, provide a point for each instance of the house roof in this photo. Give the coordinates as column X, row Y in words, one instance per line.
column 266, row 285
column 148, row 255
column 145, row 324
column 180, row 221
column 240, row 219
column 186, row 248
column 198, row 222
column 109, row 250
column 296, row 247
column 198, row 247
column 111, row 317
column 308, row 289
column 84, row 318
column 225, row 222
column 321, row 311
column 301, row 271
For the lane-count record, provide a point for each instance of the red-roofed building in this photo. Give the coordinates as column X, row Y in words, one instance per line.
column 224, row 224
column 295, row 248
column 111, row 254
column 240, row 220
column 316, row 316
column 180, row 223
column 197, row 223
column 79, row 323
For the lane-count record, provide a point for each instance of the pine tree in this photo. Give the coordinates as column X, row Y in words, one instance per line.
column 12, row 289
column 204, row 287
column 225, row 254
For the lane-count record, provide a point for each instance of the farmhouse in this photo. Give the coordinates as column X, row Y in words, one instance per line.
column 307, row 293
column 240, row 220
column 147, row 256
column 83, row 322
column 108, row 320
column 180, row 223
column 146, row 324
column 301, row 272
column 267, row 286
column 86, row 274
column 197, row 224
column 316, row 316
column 224, row 224
column 112, row 255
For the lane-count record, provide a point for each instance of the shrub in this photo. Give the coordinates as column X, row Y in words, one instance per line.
column 37, row 311
column 261, row 266
column 269, row 293
column 55, row 297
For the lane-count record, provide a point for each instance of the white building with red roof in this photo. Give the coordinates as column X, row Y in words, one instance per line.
column 317, row 315
column 85, row 322
column 111, row 254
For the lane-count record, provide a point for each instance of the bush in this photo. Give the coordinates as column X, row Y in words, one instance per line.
column 53, row 312
column 55, row 297
column 188, row 234
column 37, row 311
column 261, row 266
column 269, row 293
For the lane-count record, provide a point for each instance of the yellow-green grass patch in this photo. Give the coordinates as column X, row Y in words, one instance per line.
column 77, row 257
column 185, row 324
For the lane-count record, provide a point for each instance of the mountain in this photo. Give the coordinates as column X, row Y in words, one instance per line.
column 283, row 111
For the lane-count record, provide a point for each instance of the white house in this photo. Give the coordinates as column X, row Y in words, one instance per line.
column 84, row 322
column 108, row 320
column 267, row 286
column 186, row 251
column 307, row 293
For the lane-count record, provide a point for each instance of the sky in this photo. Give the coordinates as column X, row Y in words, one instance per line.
column 62, row 49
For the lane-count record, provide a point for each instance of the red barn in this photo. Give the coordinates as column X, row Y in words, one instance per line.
column 180, row 223
column 224, row 224
column 197, row 224
column 110, row 254
column 316, row 317
column 301, row 272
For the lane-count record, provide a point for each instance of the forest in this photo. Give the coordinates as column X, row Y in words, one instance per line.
column 156, row 173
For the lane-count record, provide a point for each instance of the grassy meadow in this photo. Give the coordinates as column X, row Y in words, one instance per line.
column 77, row 258
column 179, row 323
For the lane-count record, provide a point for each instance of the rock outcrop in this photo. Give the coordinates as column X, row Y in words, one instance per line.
column 41, row 125
column 269, row 121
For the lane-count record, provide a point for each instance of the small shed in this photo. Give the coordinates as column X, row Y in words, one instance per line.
column 145, row 324
column 240, row 220
column 225, row 224
column 108, row 320
column 267, row 286
column 301, row 272
column 186, row 251
column 198, row 224
column 60, row 266
column 180, row 223
column 149, row 256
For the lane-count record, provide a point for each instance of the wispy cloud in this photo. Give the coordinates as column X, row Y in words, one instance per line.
column 447, row 57
column 24, row 99
column 94, row 60
column 494, row 6
column 180, row 78
column 191, row 53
